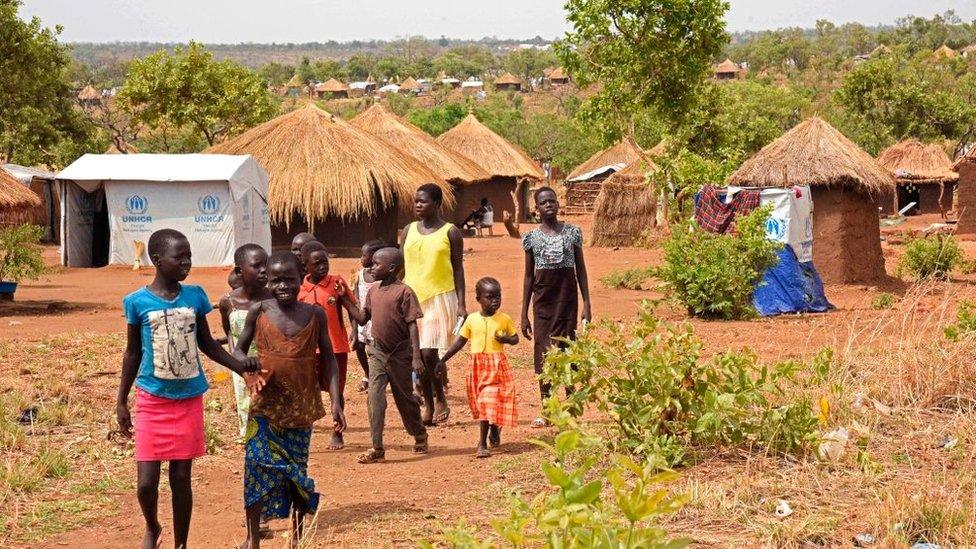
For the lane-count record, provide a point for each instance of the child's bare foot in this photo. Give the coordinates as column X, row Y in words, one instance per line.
column 372, row 456
column 428, row 416
column 483, row 452
column 420, row 445
column 336, row 443
column 153, row 538
column 494, row 436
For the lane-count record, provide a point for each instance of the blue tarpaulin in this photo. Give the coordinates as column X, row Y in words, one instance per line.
column 790, row 287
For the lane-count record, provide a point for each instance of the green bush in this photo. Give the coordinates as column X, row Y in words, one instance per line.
column 20, row 253
column 714, row 275
column 965, row 324
column 663, row 399
column 932, row 257
column 631, row 279
column 574, row 512
column 883, row 301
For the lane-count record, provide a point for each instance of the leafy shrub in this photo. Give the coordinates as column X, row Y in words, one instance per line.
column 663, row 399
column 20, row 253
column 573, row 513
column 932, row 257
column 714, row 275
column 965, row 322
column 631, row 279
column 883, row 301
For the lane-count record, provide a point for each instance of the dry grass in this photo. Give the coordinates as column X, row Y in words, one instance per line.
column 918, row 162
column 813, row 153
column 321, row 166
column 625, row 152
column 410, row 84
column 17, row 201
column 489, row 150
column 624, row 213
column 446, row 163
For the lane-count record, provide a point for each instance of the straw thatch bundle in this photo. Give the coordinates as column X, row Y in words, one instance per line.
column 626, row 208
column 17, row 201
column 624, row 152
column 446, row 163
column 508, row 79
column 321, row 166
column 410, row 85
column 727, row 67
column 914, row 161
column 89, row 93
column 968, row 157
column 489, row 150
column 813, row 153
column 331, row 86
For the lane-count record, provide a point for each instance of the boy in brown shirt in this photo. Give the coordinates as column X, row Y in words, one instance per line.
column 393, row 308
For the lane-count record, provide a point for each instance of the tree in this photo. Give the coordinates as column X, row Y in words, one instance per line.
column 325, row 69
column 275, row 73
column 645, row 54
column 189, row 89
column 38, row 120
column 438, row 120
column 528, row 63
column 360, row 66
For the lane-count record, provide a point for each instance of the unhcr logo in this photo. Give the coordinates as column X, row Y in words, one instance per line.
column 209, row 206
column 136, row 206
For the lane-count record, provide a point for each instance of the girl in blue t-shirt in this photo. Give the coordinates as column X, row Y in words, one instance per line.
column 167, row 326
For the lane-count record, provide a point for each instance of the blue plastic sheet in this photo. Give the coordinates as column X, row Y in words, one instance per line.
column 790, row 287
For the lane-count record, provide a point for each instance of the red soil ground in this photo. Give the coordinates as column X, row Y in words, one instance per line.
column 362, row 504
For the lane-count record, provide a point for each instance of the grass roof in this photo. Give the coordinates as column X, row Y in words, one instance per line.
column 727, row 66
column 16, row 200
column 626, row 207
column 813, row 153
column 321, row 166
column 89, row 93
column 508, row 79
column 968, row 157
column 331, row 86
column 915, row 161
column 558, row 74
column 489, row 150
column 295, row 82
column 623, row 152
column 410, row 84
column 446, row 163
column 945, row 51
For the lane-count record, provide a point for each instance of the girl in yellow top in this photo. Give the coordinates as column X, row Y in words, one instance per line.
column 491, row 388
column 434, row 270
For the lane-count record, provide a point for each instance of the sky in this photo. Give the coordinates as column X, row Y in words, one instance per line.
column 233, row 21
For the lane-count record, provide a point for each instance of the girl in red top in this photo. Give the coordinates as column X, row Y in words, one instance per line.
column 320, row 288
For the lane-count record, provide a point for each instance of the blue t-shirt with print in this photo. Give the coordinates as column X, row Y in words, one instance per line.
column 170, row 366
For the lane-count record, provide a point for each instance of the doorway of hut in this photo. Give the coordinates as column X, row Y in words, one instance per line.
column 101, row 232
column 908, row 194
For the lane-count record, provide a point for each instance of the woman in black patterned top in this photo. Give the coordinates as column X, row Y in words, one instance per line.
column 554, row 268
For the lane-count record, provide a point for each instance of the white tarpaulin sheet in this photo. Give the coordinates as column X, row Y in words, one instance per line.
column 612, row 168
column 791, row 221
column 218, row 201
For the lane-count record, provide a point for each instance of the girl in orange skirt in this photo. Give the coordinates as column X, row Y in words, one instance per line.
column 491, row 388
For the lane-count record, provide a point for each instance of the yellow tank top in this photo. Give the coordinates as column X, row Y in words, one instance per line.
column 427, row 262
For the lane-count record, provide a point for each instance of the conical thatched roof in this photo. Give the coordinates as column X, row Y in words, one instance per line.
column 410, row 84
column 449, row 165
column 914, row 161
column 968, row 157
column 16, row 200
column 508, row 79
column 369, row 79
column 635, row 172
column 89, row 93
column 726, row 67
column 624, row 152
column 489, row 150
column 945, row 51
column 321, row 166
column 295, row 82
column 626, row 207
column 812, row 153
column 331, row 86
column 558, row 74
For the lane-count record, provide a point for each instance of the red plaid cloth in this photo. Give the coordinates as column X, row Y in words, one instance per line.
column 491, row 389
column 715, row 216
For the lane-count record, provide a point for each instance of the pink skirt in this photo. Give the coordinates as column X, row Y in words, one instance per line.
column 168, row 429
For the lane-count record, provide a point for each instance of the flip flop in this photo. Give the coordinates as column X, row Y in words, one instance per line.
column 371, row 456
column 443, row 416
column 539, row 423
column 483, row 453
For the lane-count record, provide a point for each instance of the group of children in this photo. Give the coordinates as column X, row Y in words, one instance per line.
column 284, row 323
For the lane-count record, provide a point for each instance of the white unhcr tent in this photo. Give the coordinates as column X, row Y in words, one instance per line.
column 109, row 202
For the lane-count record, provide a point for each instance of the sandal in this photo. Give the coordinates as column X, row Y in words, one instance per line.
column 540, row 423
column 442, row 416
column 420, row 445
column 494, row 436
column 371, row 456
column 483, row 453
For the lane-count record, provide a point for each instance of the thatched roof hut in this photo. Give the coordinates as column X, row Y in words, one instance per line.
column 89, row 93
column 508, row 81
column 17, row 201
column 881, row 49
column 847, row 185
column 332, row 87
column 507, row 164
column 626, row 208
column 924, row 175
column 604, row 163
column 446, row 163
column 945, row 51
column 726, row 70
column 329, row 176
column 294, row 82
column 558, row 76
column 411, row 85
column 41, row 183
